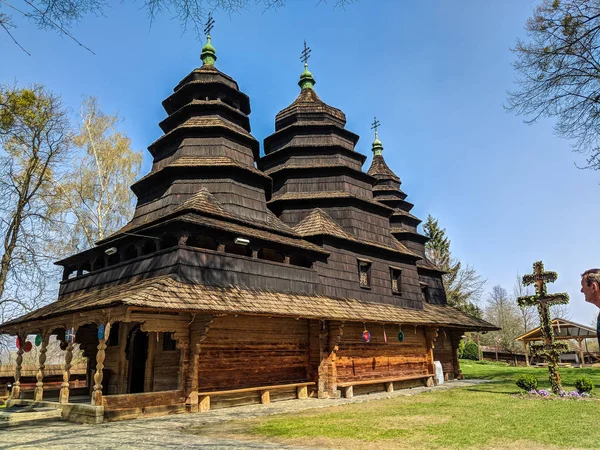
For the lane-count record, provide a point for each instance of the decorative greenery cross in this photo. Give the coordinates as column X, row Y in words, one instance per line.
column 549, row 351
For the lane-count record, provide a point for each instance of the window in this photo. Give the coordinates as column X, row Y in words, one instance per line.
column 113, row 337
column 364, row 273
column 270, row 255
column 426, row 293
column 396, row 277
column 169, row 344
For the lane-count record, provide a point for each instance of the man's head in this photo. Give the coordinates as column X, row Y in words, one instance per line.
column 590, row 286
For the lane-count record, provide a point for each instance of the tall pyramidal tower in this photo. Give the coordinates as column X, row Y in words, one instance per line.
column 203, row 192
column 319, row 188
column 386, row 190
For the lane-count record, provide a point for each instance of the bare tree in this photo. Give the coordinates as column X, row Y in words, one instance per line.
column 34, row 139
column 558, row 69
column 529, row 314
column 60, row 15
column 95, row 195
column 502, row 311
column 34, row 134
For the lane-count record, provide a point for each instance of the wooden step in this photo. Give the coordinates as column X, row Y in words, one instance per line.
column 20, row 415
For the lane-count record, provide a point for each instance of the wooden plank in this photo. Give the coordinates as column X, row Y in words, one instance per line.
column 383, row 380
column 204, row 403
column 265, row 397
column 256, row 389
column 142, row 400
column 302, row 392
column 348, row 391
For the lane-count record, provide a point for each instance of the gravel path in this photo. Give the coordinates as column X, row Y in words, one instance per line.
column 168, row 432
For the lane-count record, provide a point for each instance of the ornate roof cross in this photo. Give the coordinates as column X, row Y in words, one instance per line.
column 375, row 124
column 305, row 54
column 209, row 54
column 549, row 350
column 210, row 23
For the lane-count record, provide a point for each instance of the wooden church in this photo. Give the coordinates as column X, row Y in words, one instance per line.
column 243, row 279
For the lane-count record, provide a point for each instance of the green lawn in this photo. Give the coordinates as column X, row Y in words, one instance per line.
column 484, row 416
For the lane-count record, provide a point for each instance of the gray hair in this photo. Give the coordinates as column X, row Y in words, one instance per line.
column 591, row 276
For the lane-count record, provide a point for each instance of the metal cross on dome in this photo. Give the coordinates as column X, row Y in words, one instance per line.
column 375, row 125
column 305, row 54
column 210, row 23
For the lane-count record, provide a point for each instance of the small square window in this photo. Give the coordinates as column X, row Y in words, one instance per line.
column 364, row 273
column 169, row 344
column 426, row 293
column 396, row 277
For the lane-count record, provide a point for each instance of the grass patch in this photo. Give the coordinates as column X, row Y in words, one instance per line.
column 482, row 416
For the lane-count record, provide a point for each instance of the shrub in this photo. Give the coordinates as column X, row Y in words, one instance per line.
column 527, row 382
column 584, row 384
column 461, row 348
column 471, row 351
column 493, row 363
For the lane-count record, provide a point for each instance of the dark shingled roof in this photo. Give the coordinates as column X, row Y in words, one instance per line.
column 319, row 223
column 204, row 202
column 198, row 122
column 380, row 170
column 324, row 194
column 309, row 101
column 168, row 293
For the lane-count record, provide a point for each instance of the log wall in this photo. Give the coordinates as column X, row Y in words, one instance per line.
column 249, row 351
column 166, row 367
column 357, row 360
column 443, row 352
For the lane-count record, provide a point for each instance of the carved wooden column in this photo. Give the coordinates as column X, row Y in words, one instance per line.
column 198, row 333
column 579, row 343
column 123, row 343
column 150, row 360
column 38, row 395
column 16, row 388
column 430, row 337
column 98, row 376
column 184, row 361
column 455, row 339
column 329, row 340
column 64, row 387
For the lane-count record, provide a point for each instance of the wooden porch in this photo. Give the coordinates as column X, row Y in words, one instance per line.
column 150, row 363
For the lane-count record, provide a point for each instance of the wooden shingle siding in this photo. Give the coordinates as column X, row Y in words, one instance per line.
column 311, row 182
column 434, row 282
column 339, row 278
column 311, row 155
column 202, row 266
column 208, row 146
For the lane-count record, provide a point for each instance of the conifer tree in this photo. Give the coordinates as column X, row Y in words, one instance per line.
column 463, row 285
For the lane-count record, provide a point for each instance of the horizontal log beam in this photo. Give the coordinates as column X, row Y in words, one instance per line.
column 254, row 389
column 143, row 399
column 383, row 380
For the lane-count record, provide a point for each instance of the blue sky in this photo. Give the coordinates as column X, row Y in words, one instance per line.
column 434, row 72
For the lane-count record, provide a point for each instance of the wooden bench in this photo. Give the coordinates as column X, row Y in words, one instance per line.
column 348, row 386
column 265, row 393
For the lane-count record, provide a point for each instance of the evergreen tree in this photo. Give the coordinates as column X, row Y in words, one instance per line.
column 463, row 285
